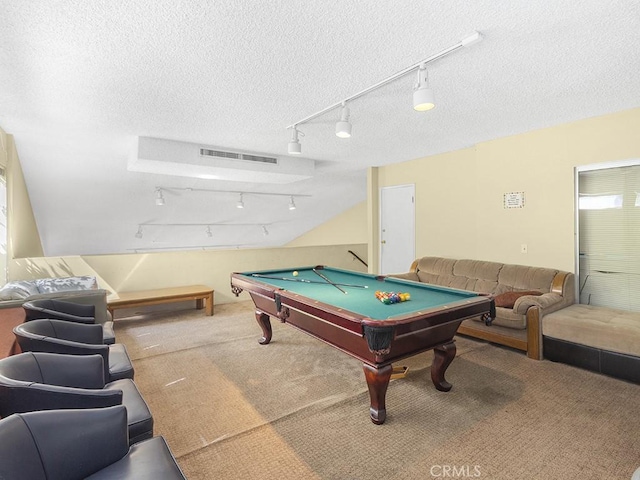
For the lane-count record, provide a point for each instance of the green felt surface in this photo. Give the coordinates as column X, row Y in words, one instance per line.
column 361, row 300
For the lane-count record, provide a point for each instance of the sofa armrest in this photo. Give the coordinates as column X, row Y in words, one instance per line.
column 541, row 301
column 547, row 303
column 11, row 303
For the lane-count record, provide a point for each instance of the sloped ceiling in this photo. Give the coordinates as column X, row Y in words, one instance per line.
column 81, row 80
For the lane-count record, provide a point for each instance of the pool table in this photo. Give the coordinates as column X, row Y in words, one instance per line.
column 340, row 308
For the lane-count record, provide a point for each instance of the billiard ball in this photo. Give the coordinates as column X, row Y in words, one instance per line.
column 295, row 273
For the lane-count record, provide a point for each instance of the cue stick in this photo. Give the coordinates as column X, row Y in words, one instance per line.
column 302, row 280
column 329, row 281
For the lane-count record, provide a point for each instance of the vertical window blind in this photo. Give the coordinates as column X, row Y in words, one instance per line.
column 609, row 237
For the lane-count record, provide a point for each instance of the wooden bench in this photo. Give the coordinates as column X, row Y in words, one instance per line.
column 202, row 294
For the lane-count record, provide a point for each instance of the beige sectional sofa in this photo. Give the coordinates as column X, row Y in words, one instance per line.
column 523, row 296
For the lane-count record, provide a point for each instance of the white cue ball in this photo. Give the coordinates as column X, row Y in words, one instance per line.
column 295, row 273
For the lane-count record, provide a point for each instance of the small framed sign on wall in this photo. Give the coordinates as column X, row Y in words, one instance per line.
column 513, row 200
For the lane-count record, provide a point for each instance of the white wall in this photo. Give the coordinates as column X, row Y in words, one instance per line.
column 329, row 244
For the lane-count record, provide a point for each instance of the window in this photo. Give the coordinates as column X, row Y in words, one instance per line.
column 609, row 237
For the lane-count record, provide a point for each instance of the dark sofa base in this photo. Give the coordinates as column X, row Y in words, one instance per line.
column 618, row 365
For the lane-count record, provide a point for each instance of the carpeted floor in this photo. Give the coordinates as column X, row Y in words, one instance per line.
column 298, row 409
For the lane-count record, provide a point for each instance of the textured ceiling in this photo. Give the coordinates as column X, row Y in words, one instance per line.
column 81, row 80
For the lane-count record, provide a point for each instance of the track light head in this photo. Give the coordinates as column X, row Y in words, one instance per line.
column 294, row 147
column 472, row 39
column 292, row 204
column 159, row 197
column 209, row 232
column 240, row 203
column 139, row 232
column 343, row 127
column 423, row 99
column 265, row 232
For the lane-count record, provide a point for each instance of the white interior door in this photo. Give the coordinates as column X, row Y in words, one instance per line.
column 397, row 228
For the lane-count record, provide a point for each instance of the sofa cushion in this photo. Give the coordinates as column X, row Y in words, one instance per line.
column 436, row 265
column 598, row 327
column 436, row 270
column 47, row 285
column 482, row 275
column 505, row 317
column 18, row 290
column 520, row 277
column 508, row 299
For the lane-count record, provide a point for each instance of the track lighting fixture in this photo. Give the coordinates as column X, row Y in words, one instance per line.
column 139, row 232
column 422, row 94
column 241, row 194
column 294, row 145
column 343, row 127
column 159, row 197
column 209, row 232
column 265, row 232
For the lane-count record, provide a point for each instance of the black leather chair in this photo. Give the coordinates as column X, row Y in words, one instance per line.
column 50, row 381
column 60, row 336
column 70, row 311
column 79, row 444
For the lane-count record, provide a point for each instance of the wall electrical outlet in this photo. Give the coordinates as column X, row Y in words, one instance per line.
column 523, row 248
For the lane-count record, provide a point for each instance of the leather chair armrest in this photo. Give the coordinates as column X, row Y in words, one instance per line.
column 78, row 443
column 108, row 335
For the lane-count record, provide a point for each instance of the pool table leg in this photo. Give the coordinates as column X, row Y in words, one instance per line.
column 444, row 355
column 377, row 381
column 265, row 325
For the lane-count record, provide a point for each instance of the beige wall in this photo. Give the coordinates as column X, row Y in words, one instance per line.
column 24, row 239
column 373, row 219
column 444, row 209
column 459, row 195
column 348, row 227
column 130, row 272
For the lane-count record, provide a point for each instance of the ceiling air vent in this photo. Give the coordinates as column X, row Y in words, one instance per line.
column 205, row 152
